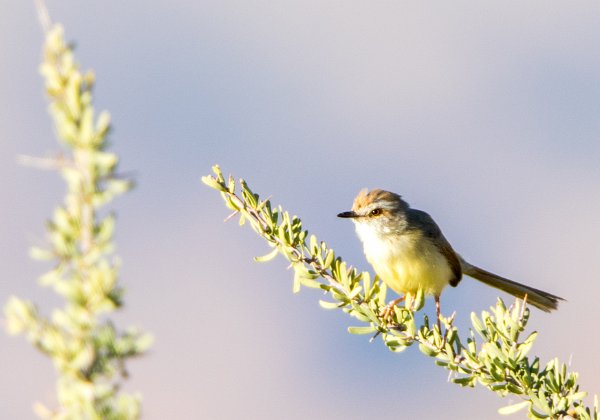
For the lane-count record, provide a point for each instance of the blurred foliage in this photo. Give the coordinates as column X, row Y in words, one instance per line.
column 87, row 350
column 493, row 354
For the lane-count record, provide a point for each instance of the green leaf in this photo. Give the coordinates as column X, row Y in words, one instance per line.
column 296, row 285
column 511, row 409
column 362, row 330
column 477, row 324
column 50, row 277
column 329, row 259
column 428, row 351
column 103, row 124
column 329, row 305
column 308, row 282
column 213, row 183
column 526, row 345
column 579, row 395
column 369, row 312
column 536, row 414
column 267, row 257
column 419, row 300
column 86, row 127
column 40, row 254
column 119, row 186
column 62, row 220
column 144, row 342
column 105, row 162
column 539, row 403
column 313, row 244
column 105, row 229
column 467, row 381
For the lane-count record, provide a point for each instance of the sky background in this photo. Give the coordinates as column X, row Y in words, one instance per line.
column 484, row 114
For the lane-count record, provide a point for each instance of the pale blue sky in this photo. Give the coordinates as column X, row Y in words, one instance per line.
column 486, row 115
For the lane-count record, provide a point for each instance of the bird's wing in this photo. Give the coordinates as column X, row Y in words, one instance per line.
column 424, row 222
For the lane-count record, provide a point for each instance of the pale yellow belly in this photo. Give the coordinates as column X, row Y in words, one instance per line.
column 408, row 264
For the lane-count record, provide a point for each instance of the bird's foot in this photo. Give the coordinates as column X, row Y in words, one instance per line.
column 388, row 310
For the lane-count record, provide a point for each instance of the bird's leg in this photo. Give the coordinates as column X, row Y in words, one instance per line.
column 438, row 311
column 389, row 308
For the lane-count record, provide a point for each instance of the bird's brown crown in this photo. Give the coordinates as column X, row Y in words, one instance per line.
column 366, row 198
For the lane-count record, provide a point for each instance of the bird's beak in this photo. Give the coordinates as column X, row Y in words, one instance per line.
column 348, row 214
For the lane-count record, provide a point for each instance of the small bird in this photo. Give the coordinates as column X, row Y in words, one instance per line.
column 409, row 252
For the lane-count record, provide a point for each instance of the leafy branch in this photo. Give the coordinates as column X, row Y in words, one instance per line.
column 493, row 354
column 88, row 351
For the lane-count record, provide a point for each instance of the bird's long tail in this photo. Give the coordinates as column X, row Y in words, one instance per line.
column 538, row 298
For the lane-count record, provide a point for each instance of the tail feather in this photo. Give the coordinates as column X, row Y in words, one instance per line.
column 538, row 298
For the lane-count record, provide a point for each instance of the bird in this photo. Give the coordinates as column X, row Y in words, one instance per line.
column 409, row 252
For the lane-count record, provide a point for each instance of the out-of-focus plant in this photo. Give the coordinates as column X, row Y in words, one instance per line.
column 87, row 350
column 493, row 353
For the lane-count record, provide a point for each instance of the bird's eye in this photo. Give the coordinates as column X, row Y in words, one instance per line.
column 375, row 212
